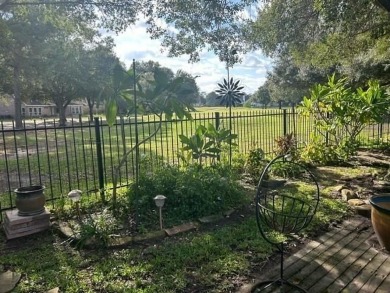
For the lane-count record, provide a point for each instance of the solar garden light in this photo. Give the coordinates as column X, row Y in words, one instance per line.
column 159, row 200
column 75, row 196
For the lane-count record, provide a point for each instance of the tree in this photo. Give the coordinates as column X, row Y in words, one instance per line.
column 261, row 96
column 185, row 27
column 189, row 90
column 98, row 64
column 22, row 32
column 26, row 32
column 65, row 70
column 158, row 96
column 289, row 82
column 211, row 99
column 342, row 113
column 325, row 34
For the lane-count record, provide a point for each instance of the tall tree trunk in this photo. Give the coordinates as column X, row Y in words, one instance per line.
column 17, row 94
column 91, row 103
column 61, row 114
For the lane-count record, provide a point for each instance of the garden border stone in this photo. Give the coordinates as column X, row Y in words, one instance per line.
column 123, row 241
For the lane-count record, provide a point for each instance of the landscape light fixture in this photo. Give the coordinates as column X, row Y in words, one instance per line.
column 75, row 196
column 159, row 200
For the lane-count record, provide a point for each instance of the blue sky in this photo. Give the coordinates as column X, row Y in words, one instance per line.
column 135, row 43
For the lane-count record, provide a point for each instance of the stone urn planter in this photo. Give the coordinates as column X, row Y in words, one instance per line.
column 30, row 200
column 380, row 218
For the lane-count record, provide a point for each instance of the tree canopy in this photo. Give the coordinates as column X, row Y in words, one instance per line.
column 349, row 36
column 185, row 27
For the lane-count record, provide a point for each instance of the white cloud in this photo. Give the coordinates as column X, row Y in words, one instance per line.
column 136, row 44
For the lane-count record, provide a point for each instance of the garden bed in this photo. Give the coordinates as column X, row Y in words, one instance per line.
column 217, row 257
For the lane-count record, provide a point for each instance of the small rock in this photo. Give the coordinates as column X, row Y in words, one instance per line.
column 228, row 213
column 355, row 202
column 347, row 194
column 334, row 194
column 382, row 182
column 181, row 228
column 338, row 188
column 54, row 290
column 364, row 176
column 210, row 219
column 8, row 281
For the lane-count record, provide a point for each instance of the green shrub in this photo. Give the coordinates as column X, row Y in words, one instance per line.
column 98, row 227
column 191, row 193
column 286, row 170
column 255, row 164
column 340, row 114
column 318, row 153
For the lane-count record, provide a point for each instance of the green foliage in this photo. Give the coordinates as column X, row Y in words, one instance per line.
column 206, row 142
column 157, row 92
column 317, row 152
column 262, row 95
column 216, row 25
column 97, row 227
column 286, row 170
column 255, row 164
column 326, row 35
column 191, row 193
column 341, row 113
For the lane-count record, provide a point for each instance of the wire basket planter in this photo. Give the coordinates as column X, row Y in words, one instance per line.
column 282, row 210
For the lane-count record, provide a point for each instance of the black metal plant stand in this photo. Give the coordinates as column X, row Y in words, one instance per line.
column 278, row 211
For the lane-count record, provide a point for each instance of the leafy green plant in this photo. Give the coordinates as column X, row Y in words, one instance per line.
column 255, row 164
column 286, row 170
column 317, row 152
column 341, row 113
column 97, row 227
column 206, row 142
column 157, row 95
column 191, row 193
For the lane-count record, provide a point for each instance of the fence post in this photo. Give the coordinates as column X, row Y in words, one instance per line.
column 284, row 122
column 327, row 133
column 217, row 120
column 99, row 155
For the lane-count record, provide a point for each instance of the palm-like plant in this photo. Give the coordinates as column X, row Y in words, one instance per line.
column 230, row 92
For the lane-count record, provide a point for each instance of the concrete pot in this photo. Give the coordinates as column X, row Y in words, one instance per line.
column 30, row 200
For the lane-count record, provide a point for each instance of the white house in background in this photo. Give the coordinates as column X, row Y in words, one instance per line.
column 39, row 109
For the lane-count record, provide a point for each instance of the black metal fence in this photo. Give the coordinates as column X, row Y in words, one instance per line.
column 84, row 154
